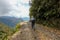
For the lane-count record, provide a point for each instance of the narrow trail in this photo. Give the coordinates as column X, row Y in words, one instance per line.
column 40, row 33
column 25, row 33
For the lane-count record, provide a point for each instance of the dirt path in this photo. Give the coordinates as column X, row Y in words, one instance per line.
column 40, row 33
column 46, row 34
column 25, row 33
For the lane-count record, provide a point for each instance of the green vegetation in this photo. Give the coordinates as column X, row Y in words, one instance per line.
column 6, row 31
column 46, row 12
column 18, row 26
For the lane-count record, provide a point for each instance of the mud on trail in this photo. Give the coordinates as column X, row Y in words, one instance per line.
column 40, row 33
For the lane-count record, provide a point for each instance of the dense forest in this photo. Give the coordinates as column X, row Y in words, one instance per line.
column 46, row 12
column 6, row 31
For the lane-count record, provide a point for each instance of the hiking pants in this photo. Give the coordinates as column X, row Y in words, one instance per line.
column 33, row 23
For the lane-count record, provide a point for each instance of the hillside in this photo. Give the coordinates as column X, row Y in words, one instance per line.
column 5, row 31
column 10, row 21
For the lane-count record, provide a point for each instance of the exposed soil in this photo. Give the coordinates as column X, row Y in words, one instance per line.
column 40, row 33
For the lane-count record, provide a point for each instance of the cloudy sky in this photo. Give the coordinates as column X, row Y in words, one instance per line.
column 16, row 8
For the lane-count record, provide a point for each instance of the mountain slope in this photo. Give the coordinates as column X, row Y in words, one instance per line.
column 4, row 31
column 10, row 21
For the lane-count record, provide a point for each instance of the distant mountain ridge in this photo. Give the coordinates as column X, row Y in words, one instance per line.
column 26, row 18
column 10, row 21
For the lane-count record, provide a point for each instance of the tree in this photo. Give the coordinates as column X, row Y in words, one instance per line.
column 45, row 10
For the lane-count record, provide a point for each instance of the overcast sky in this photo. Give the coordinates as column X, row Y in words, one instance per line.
column 17, row 8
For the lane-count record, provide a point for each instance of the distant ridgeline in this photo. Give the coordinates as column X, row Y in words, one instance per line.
column 26, row 18
column 46, row 12
column 10, row 21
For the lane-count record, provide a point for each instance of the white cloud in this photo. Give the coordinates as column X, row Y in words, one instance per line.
column 21, row 11
column 24, row 1
column 12, row 2
column 18, row 10
column 5, row 7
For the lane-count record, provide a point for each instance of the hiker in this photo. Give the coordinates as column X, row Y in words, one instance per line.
column 32, row 21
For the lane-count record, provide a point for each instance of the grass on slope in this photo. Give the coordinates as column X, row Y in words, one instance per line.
column 6, row 31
